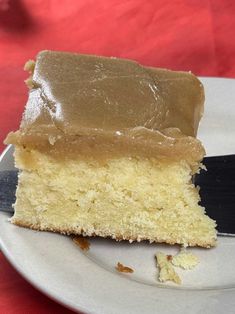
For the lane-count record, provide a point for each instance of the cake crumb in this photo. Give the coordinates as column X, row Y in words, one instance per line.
column 29, row 83
column 166, row 270
column 52, row 140
column 83, row 243
column 169, row 257
column 123, row 269
column 185, row 260
column 29, row 66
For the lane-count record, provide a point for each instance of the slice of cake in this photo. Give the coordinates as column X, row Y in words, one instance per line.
column 107, row 147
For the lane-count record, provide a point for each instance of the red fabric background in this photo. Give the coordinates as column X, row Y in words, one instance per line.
column 182, row 34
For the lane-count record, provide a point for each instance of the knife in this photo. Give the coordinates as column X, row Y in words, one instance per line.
column 217, row 191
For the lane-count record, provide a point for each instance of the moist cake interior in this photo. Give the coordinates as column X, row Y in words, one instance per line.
column 123, row 198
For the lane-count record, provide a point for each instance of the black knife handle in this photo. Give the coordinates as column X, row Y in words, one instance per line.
column 217, row 191
column 8, row 183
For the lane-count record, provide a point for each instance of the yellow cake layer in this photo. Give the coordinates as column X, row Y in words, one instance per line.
column 122, row 198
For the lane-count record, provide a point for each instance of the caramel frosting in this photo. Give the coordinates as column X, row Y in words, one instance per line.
column 108, row 106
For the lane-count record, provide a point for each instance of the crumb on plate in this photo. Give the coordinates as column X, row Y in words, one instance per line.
column 123, row 269
column 169, row 257
column 82, row 242
column 166, row 270
column 185, row 260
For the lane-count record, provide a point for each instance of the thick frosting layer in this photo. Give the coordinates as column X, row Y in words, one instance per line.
column 107, row 106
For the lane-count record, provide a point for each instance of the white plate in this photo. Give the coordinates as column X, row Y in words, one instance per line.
column 88, row 281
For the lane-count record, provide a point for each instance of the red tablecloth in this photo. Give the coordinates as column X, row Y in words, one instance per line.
column 182, row 34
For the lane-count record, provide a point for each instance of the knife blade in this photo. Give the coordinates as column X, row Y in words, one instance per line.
column 8, row 183
column 217, row 191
